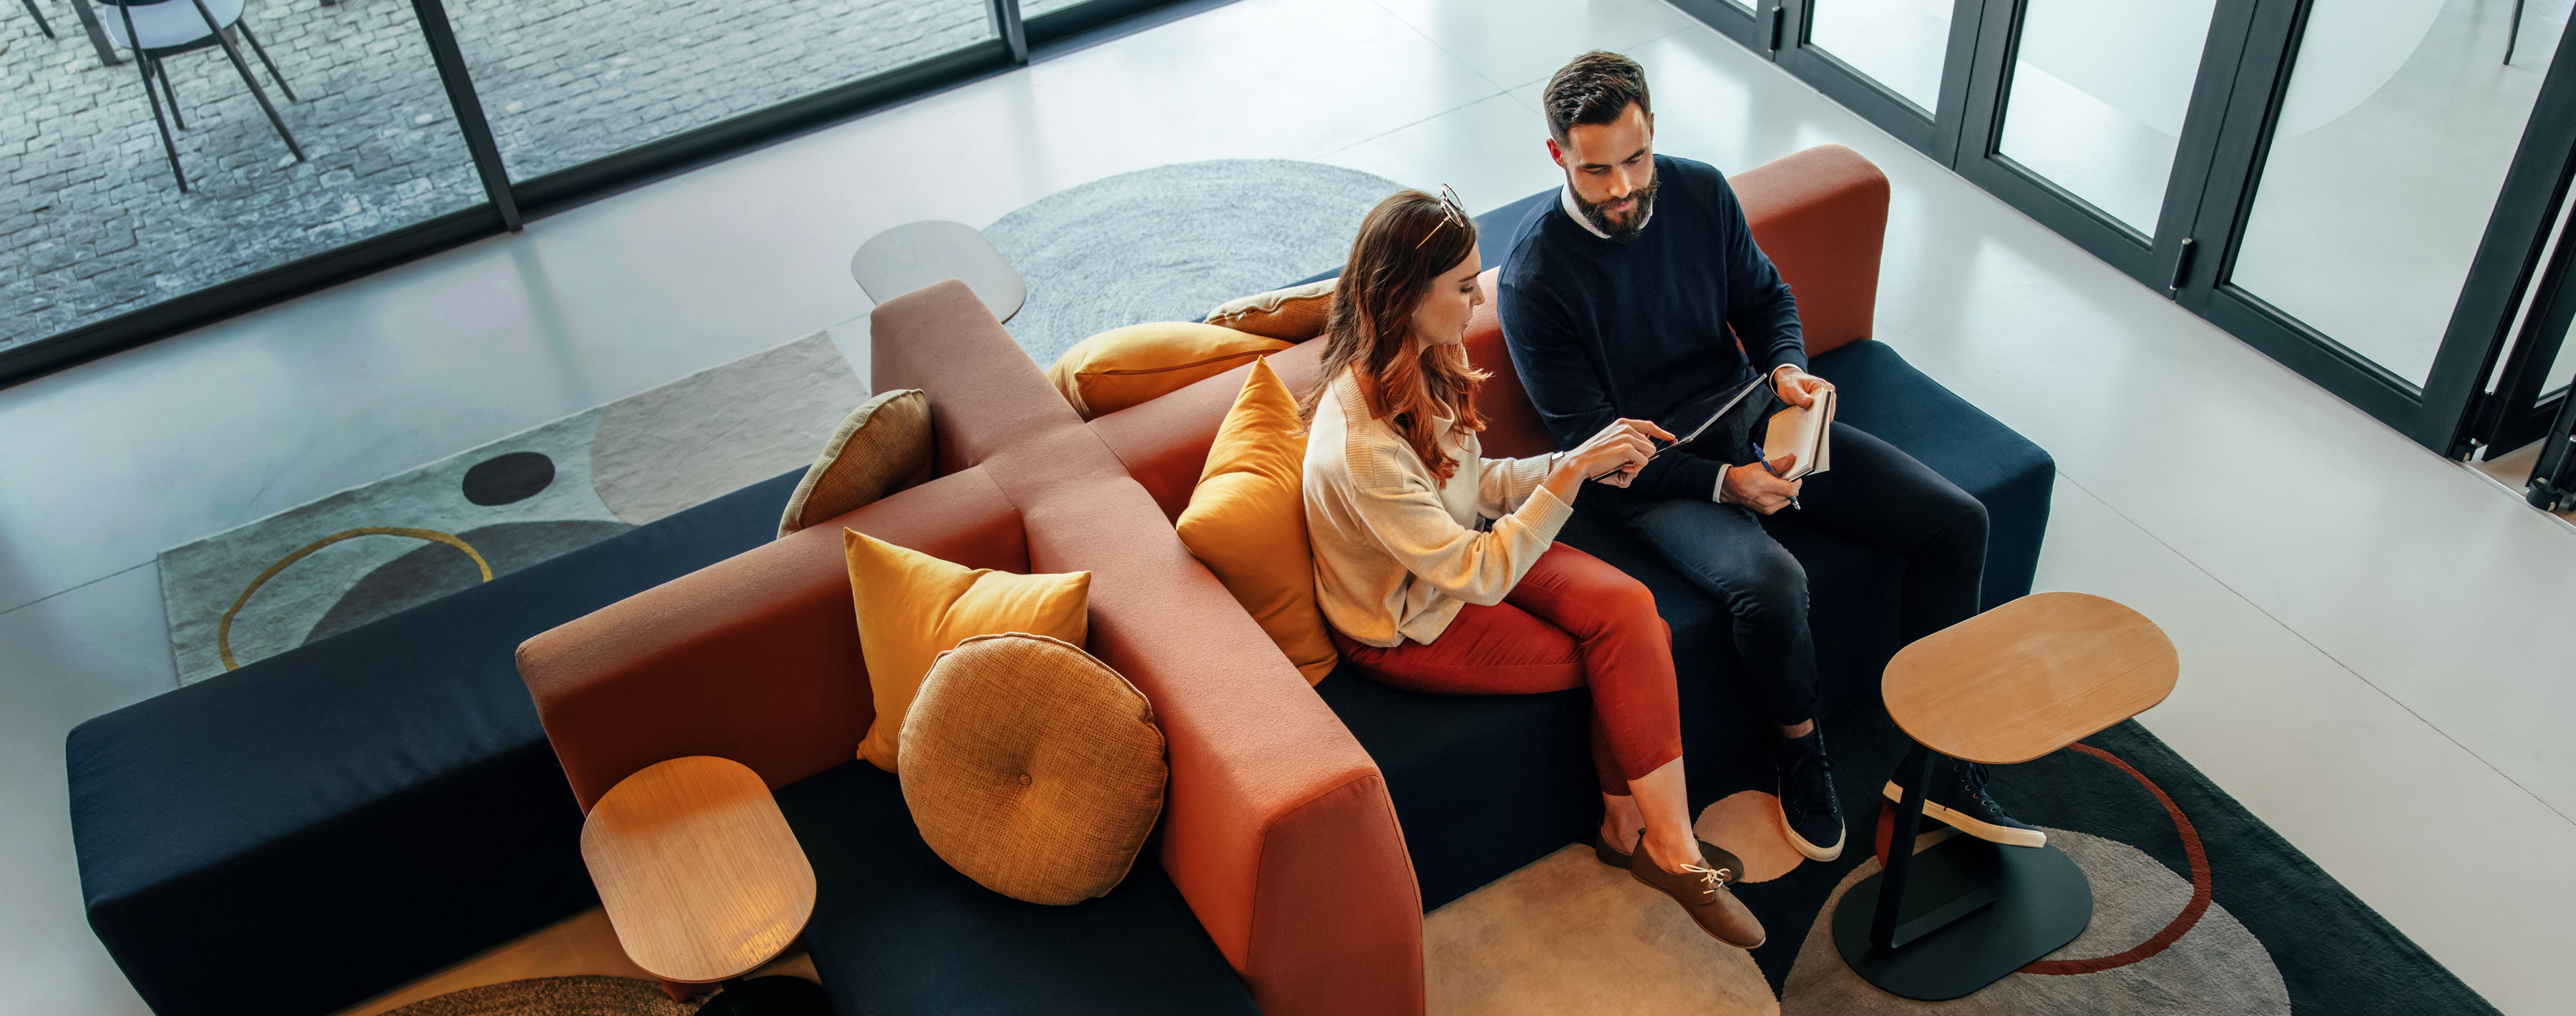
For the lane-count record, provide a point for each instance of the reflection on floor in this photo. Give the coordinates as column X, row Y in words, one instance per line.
column 2368, row 633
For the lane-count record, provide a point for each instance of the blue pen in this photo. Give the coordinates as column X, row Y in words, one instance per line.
column 1766, row 467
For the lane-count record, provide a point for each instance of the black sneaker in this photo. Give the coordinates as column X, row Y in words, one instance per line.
column 1958, row 797
column 1807, row 800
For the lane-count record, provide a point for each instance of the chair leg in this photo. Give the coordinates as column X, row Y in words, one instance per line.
column 243, row 68
column 144, row 66
column 2512, row 31
column 262, row 53
column 41, row 25
column 162, row 71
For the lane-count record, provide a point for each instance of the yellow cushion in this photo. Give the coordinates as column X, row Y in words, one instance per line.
column 1125, row 366
column 1032, row 768
column 881, row 447
column 1247, row 520
column 1296, row 313
column 913, row 606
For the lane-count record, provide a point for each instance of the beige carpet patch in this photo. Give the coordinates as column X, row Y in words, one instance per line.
column 1570, row 935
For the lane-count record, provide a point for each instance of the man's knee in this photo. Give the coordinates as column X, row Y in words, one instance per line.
column 1774, row 584
column 1962, row 523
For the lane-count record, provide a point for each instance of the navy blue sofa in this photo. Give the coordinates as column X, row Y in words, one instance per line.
column 1486, row 784
column 322, row 826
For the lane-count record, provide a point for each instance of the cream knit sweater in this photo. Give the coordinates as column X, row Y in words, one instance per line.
column 1397, row 554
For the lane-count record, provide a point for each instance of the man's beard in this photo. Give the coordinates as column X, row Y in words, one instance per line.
column 1636, row 221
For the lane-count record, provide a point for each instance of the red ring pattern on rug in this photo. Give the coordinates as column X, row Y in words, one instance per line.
column 2160, row 941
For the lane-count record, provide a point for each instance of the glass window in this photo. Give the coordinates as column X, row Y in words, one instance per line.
column 565, row 81
column 93, row 216
column 2392, row 146
column 2099, row 89
column 1898, row 43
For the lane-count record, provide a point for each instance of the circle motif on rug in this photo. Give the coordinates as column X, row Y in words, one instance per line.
column 508, row 477
column 2173, row 930
column 224, row 628
column 1172, row 242
column 554, row 996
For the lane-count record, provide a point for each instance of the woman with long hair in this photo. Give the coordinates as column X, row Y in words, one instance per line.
column 1438, row 568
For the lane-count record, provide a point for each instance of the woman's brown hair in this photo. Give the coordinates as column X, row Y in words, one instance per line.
column 1404, row 245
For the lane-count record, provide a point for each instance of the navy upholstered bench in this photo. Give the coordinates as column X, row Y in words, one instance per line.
column 322, row 826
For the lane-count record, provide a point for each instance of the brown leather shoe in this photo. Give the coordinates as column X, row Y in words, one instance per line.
column 1707, row 893
column 1717, row 856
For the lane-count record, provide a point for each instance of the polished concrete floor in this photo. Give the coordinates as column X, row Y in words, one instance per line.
column 2365, row 628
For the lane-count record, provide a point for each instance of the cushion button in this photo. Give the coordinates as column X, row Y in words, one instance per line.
column 1024, row 779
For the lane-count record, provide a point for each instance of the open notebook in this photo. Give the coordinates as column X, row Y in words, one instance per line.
column 1806, row 433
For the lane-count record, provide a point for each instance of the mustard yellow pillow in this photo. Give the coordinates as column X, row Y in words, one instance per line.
column 1296, row 313
column 1247, row 520
column 913, row 607
column 1125, row 366
column 1032, row 768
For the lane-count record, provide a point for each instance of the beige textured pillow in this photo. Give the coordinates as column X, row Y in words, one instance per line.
column 1296, row 313
column 1032, row 768
column 882, row 447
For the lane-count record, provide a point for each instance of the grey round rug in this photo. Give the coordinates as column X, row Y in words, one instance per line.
column 1169, row 243
column 554, row 996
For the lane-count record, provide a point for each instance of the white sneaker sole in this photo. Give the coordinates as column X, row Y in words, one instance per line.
column 1972, row 825
column 1809, row 849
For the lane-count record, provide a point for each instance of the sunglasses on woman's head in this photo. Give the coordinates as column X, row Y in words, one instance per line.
column 1450, row 211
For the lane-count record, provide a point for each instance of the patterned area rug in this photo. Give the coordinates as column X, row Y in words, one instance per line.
column 554, row 996
column 2198, row 908
column 1172, row 242
column 310, row 572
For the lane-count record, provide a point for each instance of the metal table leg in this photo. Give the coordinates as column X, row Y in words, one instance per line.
column 1960, row 915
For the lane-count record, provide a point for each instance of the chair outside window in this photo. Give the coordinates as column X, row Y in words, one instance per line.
column 157, row 31
column 39, row 15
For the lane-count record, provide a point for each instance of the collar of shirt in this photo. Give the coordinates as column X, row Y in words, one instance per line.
column 1565, row 200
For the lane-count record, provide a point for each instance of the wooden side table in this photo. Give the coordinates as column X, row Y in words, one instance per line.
column 2009, row 685
column 698, row 871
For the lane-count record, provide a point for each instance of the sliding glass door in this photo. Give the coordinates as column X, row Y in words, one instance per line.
column 2366, row 190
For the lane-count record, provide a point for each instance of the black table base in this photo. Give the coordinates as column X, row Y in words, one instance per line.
column 1962, row 914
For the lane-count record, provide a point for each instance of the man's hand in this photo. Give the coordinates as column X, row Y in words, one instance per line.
column 1797, row 387
column 1759, row 488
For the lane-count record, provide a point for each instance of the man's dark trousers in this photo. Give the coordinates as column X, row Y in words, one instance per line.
column 1876, row 496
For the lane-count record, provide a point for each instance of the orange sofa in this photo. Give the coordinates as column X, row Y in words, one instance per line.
column 1281, row 831
column 1277, row 831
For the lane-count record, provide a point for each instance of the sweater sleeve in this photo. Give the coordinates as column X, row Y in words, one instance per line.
column 1565, row 386
column 1759, row 306
column 1503, row 485
column 1404, row 514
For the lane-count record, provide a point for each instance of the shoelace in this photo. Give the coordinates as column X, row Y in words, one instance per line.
column 1714, row 878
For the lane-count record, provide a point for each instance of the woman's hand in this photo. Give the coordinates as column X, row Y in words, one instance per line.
column 1620, row 449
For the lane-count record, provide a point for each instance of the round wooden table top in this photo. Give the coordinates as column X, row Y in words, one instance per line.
column 2029, row 677
column 697, row 869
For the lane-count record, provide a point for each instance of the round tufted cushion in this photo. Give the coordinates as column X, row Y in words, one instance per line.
column 1032, row 768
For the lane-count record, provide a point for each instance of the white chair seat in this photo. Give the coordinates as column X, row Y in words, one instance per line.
column 168, row 23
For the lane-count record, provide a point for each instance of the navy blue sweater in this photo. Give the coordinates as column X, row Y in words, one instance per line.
column 1606, row 328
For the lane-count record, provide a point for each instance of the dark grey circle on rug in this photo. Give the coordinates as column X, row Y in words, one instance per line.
column 1172, row 242
column 508, row 477
column 2217, row 967
column 554, row 996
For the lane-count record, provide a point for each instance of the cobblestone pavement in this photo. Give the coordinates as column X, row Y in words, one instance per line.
column 92, row 224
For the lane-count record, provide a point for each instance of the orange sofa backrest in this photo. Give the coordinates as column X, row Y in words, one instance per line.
column 1276, row 825
column 1821, row 214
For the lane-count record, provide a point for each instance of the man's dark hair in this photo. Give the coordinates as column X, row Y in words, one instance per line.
column 1596, row 89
